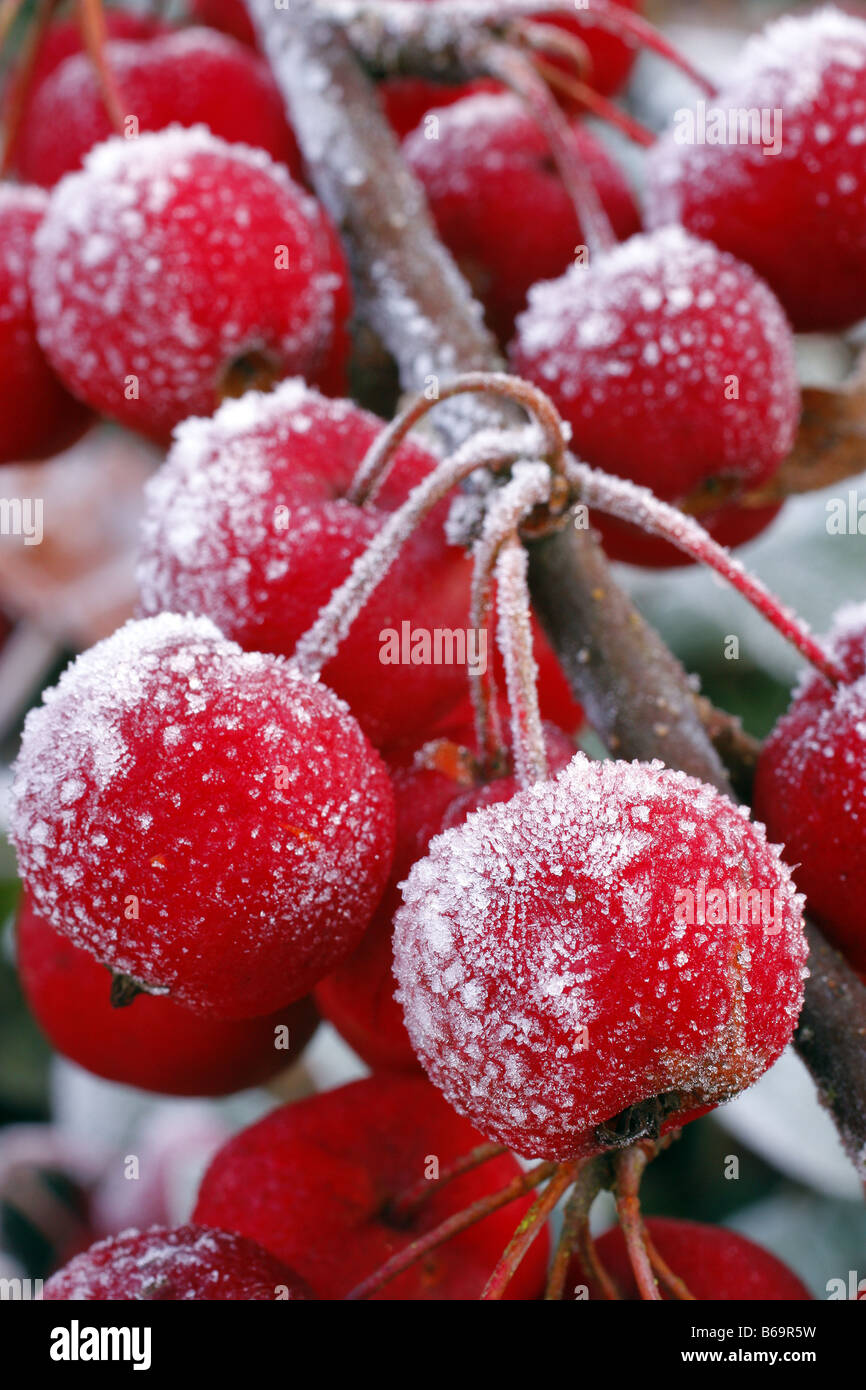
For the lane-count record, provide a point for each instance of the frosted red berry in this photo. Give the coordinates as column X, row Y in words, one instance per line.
column 174, row 1264
column 177, row 77
column 810, row 788
column 316, row 1183
column 556, row 968
column 712, row 1262
column 672, row 363
column 248, row 522
column 152, row 1043
column 206, row 821
column 38, row 417
column 498, row 201
column 59, row 41
column 175, row 269
column 789, row 202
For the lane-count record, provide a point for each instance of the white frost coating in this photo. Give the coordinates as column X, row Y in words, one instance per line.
column 540, row 1011
column 784, row 68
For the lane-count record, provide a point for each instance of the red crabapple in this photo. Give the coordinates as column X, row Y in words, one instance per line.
column 59, row 41
column 794, row 211
column 712, row 1262
column 429, row 797
column 174, row 1264
column 38, row 417
column 205, row 821
column 248, row 522
column 499, row 203
column 555, row 967
column 174, row 268
column 810, row 789
column 154, row 1044
column 672, row 363
column 178, row 77
column 316, row 1182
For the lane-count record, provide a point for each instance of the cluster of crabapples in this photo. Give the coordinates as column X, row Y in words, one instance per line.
column 219, row 841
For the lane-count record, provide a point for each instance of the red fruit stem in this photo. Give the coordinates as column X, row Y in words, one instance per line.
column 91, row 18
column 22, row 77
column 593, row 101
column 519, row 73
column 452, row 1226
column 379, row 457
column 630, row 1166
column 589, row 1183
column 590, row 1260
column 674, row 1285
column 528, row 1229
column 404, row 1206
column 623, row 499
column 609, row 15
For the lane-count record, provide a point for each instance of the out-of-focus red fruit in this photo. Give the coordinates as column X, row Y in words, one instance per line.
column 152, row 1043
column 38, row 417
column 312, row 1182
column 712, row 1262
column 179, row 78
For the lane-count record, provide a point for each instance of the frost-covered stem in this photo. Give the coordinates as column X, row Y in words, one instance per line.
column 408, row 287
column 590, row 1181
column 512, row 389
column 410, row 1254
column 623, row 499
column 831, row 1039
column 529, row 488
column 529, row 1228
column 521, row 673
column 517, row 71
column 675, row 1286
column 394, row 37
column 591, row 100
column 320, row 643
column 403, row 1207
column 630, row 1165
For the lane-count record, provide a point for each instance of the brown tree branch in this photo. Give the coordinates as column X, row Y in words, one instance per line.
column 635, row 691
